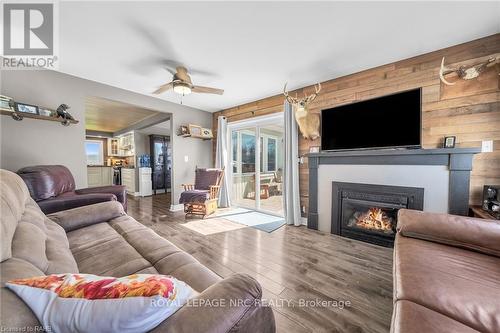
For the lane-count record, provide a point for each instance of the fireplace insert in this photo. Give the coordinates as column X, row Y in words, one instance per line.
column 369, row 212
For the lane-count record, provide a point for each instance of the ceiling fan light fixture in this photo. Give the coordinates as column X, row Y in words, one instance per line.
column 182, row 88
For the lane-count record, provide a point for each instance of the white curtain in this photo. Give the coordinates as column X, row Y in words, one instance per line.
column 221, row 158
column 291, row 169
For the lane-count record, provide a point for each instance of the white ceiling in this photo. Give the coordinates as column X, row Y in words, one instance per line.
column 251, row 49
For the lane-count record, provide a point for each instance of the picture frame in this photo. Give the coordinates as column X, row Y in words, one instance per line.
column 45, row 112
column 449, row 141
column 6, row 103
column 195, row 130
column 314, row 149
column 206, row 133
column 26, row 108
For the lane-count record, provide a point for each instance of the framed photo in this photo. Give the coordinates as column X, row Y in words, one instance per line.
column 314, row 149
column 26, row 108
column 45, row 112
column 206, row 133
column 449, row 142
column 6, row 104
column 195, row 130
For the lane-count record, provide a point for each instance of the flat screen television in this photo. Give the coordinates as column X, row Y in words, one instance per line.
column 392, row 121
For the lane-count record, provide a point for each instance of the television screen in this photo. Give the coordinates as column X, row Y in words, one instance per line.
column 384, row 122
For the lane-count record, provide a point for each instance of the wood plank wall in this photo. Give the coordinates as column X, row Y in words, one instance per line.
column 470, row 110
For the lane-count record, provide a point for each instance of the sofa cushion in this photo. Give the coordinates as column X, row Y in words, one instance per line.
column 409, row 317
column 458, row 283
column 199, row 196
column 14, row 313
column 13, row 198
column 83, row 216
column 204, row 178
column 46, row 181
column 164, row 256
column 57, row 250
column 105, row 252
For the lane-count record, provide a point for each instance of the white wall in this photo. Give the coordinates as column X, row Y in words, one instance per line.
column 31, row 142
column 433, row 178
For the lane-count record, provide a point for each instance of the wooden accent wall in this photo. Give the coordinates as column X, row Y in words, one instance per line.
column 470, row 110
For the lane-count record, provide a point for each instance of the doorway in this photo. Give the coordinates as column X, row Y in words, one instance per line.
column 256, row 163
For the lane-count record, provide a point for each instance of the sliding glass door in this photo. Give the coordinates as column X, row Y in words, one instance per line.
column 243, row 150
column 257, row 164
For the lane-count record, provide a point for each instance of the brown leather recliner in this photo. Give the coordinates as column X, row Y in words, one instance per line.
column 53, row 189
column 446, row 274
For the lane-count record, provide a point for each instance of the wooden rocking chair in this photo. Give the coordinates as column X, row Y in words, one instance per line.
column 201, row 197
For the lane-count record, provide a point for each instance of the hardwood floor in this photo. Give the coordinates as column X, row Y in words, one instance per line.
column 294, row 265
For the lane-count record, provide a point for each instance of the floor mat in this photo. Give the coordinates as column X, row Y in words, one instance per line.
column 257, row 220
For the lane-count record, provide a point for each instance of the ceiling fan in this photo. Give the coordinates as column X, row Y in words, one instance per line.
column 181, row 83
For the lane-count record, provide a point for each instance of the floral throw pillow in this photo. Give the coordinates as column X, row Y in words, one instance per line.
column 91, row 303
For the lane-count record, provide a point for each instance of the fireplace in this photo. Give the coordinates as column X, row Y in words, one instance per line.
column 369, row 212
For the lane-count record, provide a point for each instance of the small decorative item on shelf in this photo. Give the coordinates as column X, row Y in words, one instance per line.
column 62, row 113
column 449, row 142
column 26, row 108
column 183, row 131
column 195, row 130
column 6, row 103
column 206, row 133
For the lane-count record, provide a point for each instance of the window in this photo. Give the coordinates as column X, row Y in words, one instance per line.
column 94, row 151
column 271, row 154
column 243, row 152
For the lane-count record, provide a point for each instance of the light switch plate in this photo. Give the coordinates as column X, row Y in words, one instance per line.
column 487, row 146
column 186, row 158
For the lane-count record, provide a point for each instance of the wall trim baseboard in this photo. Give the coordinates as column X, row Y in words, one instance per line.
column 176, row 208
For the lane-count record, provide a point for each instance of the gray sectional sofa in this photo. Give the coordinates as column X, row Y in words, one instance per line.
column 101, row 239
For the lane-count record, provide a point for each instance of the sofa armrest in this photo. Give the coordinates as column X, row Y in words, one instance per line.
column 80, row 217
column 57, row 204
column 459, row 231
column 231, row 305
column 119, row 191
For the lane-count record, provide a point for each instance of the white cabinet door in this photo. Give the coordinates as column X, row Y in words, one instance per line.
column 94, row 176
column 128, row 180
column 106, row 176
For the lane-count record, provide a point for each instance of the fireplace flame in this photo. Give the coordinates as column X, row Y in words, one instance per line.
column 375, row 218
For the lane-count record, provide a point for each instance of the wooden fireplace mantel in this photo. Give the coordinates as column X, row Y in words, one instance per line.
column 458, row 160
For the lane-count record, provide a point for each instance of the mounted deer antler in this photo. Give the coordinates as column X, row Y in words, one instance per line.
column 308, row 122
column 465, row 73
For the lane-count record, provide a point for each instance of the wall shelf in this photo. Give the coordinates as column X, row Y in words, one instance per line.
column 22, row 115
column 196, row 137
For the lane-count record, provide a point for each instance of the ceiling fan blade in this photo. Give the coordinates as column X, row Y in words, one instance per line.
column 171, row 71
column 207, row 90
column 163, row 88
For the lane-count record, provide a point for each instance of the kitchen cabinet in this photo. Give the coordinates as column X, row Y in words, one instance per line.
column 126, row 144
column 114, row 147
column 99, row 176
column 128, row 180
